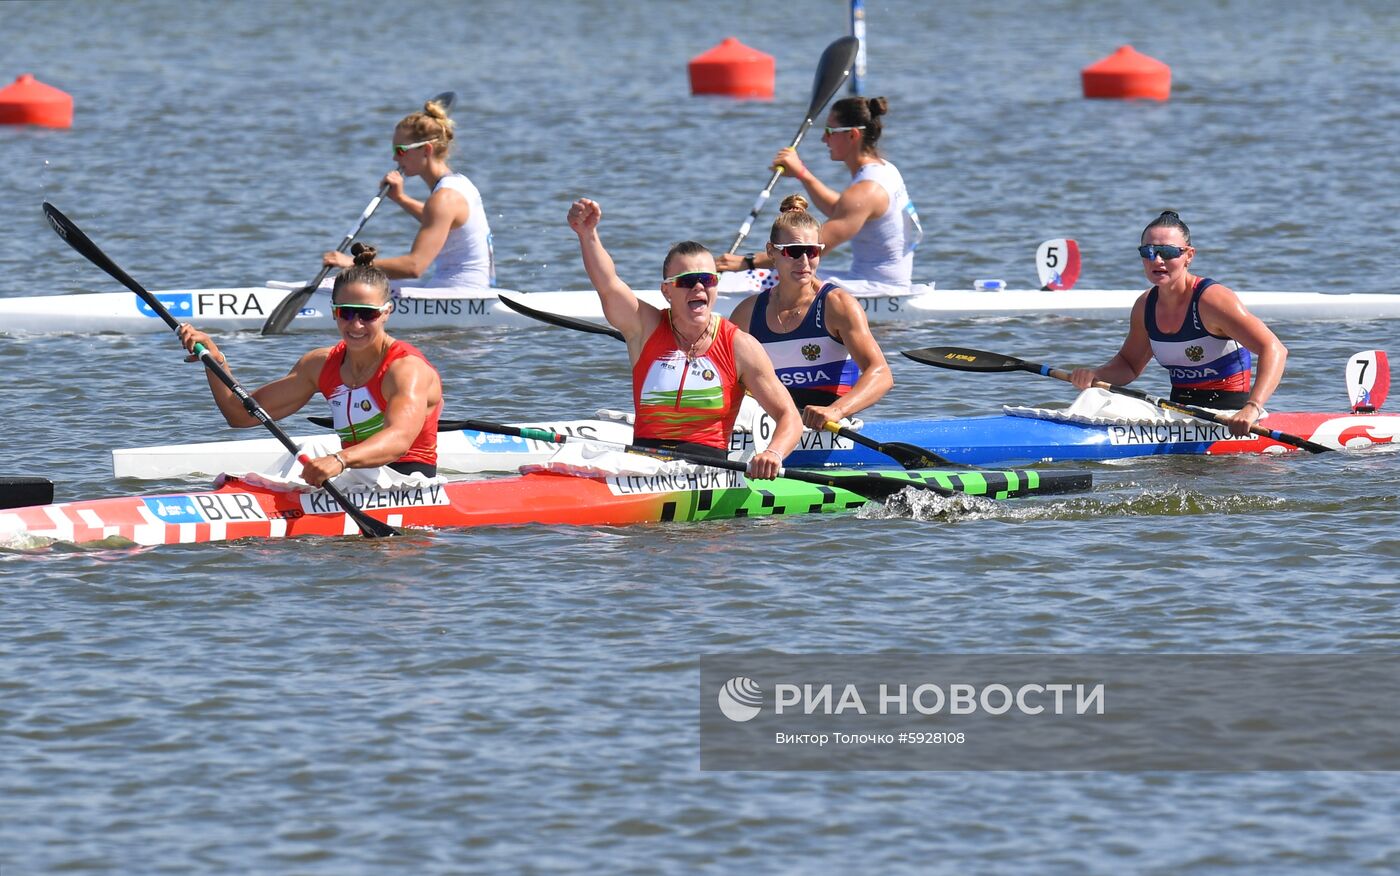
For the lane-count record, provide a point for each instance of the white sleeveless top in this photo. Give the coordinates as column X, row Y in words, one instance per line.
column 883, row 250
column 466, row 258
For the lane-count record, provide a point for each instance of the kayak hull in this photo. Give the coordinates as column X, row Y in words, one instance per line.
column 238, row 510
column 992, row 440
column 1011, row 440
column 247, row 308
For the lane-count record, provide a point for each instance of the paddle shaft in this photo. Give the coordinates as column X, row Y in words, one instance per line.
column 79, row 241
column 832, row 70
column 907, row 455
column 869, row 485
column 962, row 359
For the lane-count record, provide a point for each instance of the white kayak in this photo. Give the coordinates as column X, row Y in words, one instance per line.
column 460, row 451
column 247, row 308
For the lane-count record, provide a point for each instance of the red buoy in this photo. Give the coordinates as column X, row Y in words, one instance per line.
column 1128, row 74
column 732, row 69
column 27, row 101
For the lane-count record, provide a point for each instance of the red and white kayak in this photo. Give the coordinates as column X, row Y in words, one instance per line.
column 238, row 509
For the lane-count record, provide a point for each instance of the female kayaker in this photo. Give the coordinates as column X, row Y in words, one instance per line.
column 453, row 246
column 690, row 366
column 874, row 212
column 385, row 398
column 1197, row 329
column 815, row 332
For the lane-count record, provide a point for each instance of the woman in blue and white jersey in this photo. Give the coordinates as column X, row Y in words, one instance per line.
column 1197, row 329
column 814, row 331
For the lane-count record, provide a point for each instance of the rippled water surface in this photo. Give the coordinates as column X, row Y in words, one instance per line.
column 524, row 699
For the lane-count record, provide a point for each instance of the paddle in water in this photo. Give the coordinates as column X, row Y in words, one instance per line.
column 963, row 359
column 287, row 309
column 75, row 238
column 872, row 486
column 832, row 70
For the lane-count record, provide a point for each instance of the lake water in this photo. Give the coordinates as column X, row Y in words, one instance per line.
column 524, row 699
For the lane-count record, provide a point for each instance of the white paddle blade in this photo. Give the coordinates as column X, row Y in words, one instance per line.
column 1368, row 380
column 1058, row 263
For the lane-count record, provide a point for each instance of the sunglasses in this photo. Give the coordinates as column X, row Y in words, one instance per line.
column 798, row 250
column 830, row 131
column 695, row 278
column 399, row 150
column 363, row 312
column 1165, row 250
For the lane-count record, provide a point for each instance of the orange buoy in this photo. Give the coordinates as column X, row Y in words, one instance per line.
column 27, row 101
column 732, row 69
column 1127, row 74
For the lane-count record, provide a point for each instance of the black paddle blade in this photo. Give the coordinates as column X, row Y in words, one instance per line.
column 568, row 322
column 963, row 359
column 24, row 492
column 445, row 100
column 911, row 456
column 833, row 68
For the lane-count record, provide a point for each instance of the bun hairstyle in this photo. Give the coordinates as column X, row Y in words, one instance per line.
column 862, row 112
column 793, row 219
column 364, row 271
column 1169, row 219
column 792, row 202
column 684, row 248
column 431, row 124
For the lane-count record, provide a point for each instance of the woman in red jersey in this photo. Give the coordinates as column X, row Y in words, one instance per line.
column 690, row 366
column 385, row 397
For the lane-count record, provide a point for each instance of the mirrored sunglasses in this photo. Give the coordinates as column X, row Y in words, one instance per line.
column 362, row 312
column 798, row 250
column 399, row 150
column 695, row 278
column 1165, row 250
column 830, row 130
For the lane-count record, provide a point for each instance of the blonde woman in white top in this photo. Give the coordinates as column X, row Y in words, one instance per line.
column 453, row 246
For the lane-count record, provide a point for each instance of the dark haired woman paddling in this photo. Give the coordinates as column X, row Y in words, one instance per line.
column 384, row 396
column 1197, row 329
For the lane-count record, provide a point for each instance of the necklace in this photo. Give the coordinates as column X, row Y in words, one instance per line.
column 692, row 349
column 358, row 377
column 781, row 314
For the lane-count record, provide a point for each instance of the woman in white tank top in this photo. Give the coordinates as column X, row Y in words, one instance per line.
column 874, row 213
column 453, row 246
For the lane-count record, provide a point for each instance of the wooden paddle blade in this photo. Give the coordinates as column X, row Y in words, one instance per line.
column 963, row 359
column 25, row 492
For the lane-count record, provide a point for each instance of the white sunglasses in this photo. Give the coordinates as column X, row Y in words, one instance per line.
column 399, row 150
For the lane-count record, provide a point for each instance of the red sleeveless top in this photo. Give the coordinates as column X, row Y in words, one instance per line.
column 358, row 412
column 694, row 400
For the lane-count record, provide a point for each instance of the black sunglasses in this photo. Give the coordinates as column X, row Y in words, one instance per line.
column 1165, row 250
